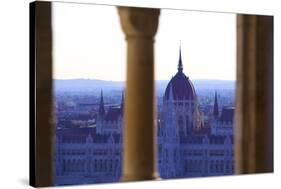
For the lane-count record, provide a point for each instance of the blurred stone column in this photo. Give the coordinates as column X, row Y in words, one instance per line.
column 41, row 121
column 139, row 158
column 254, row 112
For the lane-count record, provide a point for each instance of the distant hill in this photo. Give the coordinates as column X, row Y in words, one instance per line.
column 88, row 85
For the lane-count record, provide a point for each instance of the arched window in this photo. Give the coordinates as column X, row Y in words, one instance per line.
column 180, row 124
column 64, row 166
column 73, row 165
column 187, row 124
column 180, row 121
column 111, row 164
column 105, row 165
column 100, row 165
column 96, row 165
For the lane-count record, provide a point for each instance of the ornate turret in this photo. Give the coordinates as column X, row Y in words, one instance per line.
column 101, row 107
column 122, row 103
column 216, row 107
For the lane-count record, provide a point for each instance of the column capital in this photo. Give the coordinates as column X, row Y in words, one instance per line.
column 139, row 22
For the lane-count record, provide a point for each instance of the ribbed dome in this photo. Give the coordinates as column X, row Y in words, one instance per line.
column 182, row 87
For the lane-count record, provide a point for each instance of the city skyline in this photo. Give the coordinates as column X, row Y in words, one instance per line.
column 194, row 134
column 95, row 35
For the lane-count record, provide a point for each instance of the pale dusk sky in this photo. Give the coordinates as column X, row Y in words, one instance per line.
column 88, row 43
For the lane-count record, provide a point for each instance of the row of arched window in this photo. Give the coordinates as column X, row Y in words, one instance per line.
column 212, row 166
column 73, row 165
column 91, row 166
column 102, row 165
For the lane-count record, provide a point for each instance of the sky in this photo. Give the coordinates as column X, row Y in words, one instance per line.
column 89, row 43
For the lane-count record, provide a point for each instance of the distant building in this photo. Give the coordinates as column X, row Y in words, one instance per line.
column 91, row 155
column 186, row 147
column 223, row 125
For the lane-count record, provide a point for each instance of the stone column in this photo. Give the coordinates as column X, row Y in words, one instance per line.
column 254, row 112
column 139, row 158
column 41, row 122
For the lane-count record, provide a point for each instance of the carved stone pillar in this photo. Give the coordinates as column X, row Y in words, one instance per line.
column 254, row 112
column 41, row 122
column 139, row 158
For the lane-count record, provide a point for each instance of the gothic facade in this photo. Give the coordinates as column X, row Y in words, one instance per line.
column 91, row 154
column 185, row 147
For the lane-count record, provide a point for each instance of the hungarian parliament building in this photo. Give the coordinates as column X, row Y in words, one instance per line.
column 186, row 147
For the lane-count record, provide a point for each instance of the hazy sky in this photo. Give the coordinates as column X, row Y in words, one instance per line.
column 89, row 43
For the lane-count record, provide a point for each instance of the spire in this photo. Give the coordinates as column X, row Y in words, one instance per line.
column 122, row 102
column 180, row 66
column 101, row 108
column 216, row 107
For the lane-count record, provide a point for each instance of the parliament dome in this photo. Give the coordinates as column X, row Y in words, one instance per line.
column 180, row 85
